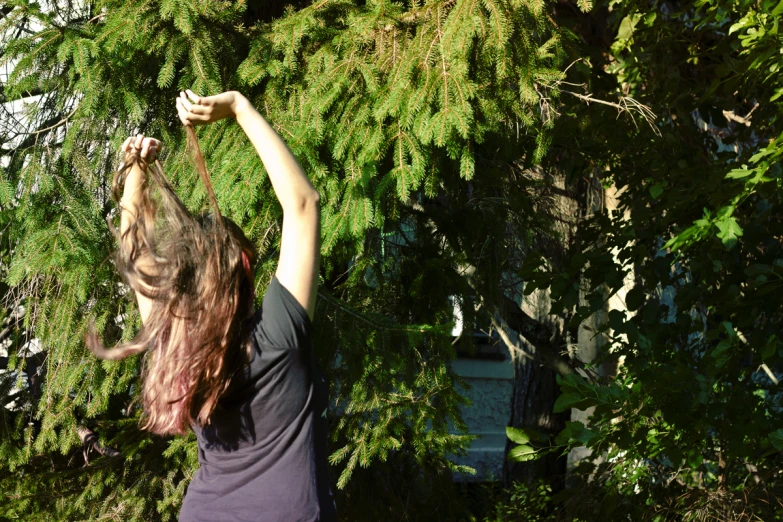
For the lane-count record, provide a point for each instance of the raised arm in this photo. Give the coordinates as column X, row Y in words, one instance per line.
column 131, row 205
column 297, row 268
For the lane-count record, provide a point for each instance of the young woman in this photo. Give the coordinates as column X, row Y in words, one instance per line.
column 245, row 381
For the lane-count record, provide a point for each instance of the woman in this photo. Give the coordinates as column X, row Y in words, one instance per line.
column 245, row 381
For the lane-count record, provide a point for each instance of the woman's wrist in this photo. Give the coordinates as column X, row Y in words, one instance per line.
column 240, row 104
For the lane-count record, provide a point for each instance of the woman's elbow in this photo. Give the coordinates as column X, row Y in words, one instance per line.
column 309, row 203
column 315, row 197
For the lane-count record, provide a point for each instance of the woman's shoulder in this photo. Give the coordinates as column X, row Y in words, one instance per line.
column 281, row 321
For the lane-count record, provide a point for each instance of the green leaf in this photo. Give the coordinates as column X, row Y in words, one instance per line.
column 617, row 320
column 732, row 333
column 721, row 353
column 739, row 173
column 729, row 230
column 720, row 348
column 517, row 435
column 573, row 428
column 586, row 436
column 522, row 453
column 745, row 21
column 695, row 459
column 634, row 298
column 568, row 400
column 776, row 439
column 627, row 26
column 770, row 348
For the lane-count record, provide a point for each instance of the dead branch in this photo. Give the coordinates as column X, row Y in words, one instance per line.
column 626, row 104
column 90, row 442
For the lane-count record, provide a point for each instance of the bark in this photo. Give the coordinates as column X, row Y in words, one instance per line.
column 534, row 394
column 544, row 333
column 548, row 341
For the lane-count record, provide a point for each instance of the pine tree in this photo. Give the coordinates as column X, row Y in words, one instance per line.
column 416, row 122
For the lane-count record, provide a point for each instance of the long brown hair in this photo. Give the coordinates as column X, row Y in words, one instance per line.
column 198, row 273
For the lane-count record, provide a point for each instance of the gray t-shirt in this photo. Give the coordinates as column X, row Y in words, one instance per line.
column 263, row 455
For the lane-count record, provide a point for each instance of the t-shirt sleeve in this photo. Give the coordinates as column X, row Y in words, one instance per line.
column 282, row 322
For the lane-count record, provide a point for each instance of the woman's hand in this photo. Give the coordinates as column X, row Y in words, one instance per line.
column 147, row 148
column 196, row 110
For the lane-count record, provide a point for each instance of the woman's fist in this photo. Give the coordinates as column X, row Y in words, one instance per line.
column 147, row 148
column 194, row 110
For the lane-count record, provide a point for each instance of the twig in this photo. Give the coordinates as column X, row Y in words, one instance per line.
column 95, row 18
column 360, row 317
column 61, row 122
column 571, row 65
column 627, row 104
column 769, row 373
column 744, row 120
column 319, row 5
column 545, row 107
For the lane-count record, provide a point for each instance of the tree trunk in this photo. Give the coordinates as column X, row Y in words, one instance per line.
column 532, row 399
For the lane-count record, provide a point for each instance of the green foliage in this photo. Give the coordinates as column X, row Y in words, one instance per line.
column 524, row 451
column 386, row 104
column 400, row 98
column 523, row 502
column 690, row 423
column 391, row 401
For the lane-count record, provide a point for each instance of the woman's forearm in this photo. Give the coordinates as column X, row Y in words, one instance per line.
column 131, row 200
column 291, row 185
column 131, row 204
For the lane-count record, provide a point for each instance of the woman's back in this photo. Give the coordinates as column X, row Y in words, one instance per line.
column 263, row 456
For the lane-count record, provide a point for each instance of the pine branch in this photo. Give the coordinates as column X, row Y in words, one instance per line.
column 28, row 94
column 419, row 14
column 376, row 323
